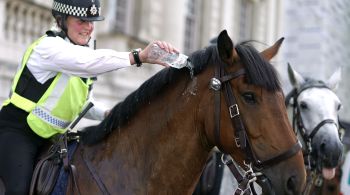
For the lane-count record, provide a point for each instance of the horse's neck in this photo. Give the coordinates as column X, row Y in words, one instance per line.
column 159, row 150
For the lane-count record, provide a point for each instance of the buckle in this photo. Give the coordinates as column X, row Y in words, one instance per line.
column 234, row 111
column 62, row 152
column 239, row 191
column 318, row 181
column 238, row 143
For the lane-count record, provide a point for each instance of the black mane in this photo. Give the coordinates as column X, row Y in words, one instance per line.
column 259, row 72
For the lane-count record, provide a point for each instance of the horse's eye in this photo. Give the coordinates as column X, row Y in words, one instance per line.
column 303, row 105
column 249, row 98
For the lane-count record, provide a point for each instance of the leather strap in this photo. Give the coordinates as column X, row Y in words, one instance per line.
column 217, row 103
column 287, row 154
column 315, row 130
column 94, row 174
column 242, row 181
column 231, row 165
column 73, row 178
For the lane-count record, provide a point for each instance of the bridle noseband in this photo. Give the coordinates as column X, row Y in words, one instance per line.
column 220, row 83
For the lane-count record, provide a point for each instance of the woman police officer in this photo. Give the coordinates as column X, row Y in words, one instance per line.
column 53, row 84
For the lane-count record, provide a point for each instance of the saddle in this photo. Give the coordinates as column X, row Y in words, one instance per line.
column 210, row 179
column 49, row 165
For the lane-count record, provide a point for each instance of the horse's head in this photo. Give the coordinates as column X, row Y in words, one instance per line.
column 315, row 113
column 245, row 116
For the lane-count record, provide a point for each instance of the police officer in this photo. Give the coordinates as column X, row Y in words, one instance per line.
column 52, row 86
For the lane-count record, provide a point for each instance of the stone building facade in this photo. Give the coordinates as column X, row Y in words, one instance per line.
column 317, row 42
column 187, row 24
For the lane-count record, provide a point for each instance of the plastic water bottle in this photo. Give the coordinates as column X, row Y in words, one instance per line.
column 176, row 60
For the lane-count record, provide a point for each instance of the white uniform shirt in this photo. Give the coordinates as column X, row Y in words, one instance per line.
column 54, row 54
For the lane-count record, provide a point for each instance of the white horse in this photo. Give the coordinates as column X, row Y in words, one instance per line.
column 315, row 109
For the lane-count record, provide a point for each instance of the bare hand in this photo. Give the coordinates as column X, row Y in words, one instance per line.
column 147, row 56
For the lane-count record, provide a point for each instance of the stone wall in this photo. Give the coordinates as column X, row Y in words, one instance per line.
column 319, row 44
column 22, row 21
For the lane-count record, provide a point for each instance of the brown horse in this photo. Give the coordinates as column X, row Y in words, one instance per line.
column 158, row 139
column 160, row 136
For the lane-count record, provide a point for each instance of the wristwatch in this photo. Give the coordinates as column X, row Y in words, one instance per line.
column 135, row 53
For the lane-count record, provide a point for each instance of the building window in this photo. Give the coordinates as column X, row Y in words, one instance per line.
column 246, row 20
column 121, row 16
column 191, row 24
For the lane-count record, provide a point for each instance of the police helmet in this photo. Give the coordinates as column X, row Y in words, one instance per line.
column 87, row 10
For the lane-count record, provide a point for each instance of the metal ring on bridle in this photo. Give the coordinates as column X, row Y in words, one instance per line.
column 223, row 160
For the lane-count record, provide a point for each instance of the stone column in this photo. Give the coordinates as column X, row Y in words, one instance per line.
column 2, row 18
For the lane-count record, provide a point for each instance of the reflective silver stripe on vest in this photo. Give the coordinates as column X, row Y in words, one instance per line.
column 56, row 93
column 47, row 117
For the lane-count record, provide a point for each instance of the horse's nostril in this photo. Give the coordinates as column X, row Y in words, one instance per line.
column 323, row 147
column 292, row 185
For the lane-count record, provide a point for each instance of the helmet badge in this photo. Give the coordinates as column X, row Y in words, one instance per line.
column 93, row 10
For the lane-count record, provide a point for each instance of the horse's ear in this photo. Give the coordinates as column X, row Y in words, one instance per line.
column 273, row 50
column 225, row 47
column 334, row 80
column 294, row 77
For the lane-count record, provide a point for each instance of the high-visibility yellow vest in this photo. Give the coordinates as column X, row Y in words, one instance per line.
column 64, row 99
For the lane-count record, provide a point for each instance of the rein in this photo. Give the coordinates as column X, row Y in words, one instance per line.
column 220, row 83
column 313, row 178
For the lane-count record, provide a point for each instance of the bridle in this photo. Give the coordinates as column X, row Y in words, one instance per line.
column 314, row 178
column 220, row 84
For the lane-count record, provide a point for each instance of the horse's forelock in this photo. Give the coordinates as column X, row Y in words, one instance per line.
column 259, row 71
column 202, row 58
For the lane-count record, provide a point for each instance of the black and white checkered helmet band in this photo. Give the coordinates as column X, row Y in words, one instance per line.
column 75, row 10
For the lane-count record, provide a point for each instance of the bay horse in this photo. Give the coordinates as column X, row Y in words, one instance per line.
column 314, row 116
column 315, row 109
column 158, row 139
